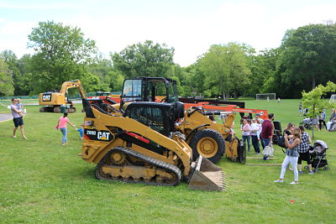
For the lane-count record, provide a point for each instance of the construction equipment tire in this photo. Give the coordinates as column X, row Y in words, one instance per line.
column 72, row 110
column 57, row 110
column 209, row 144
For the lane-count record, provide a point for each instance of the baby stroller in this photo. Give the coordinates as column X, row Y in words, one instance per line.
column 318, row 155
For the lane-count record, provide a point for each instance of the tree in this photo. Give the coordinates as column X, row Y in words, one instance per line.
column 144, row 59
column 62, row 54
column 226, row 69
column 193, row 83
column 313, row 102
column 24, row 84
column 11, row 60
column 110, row 78
column 263, row 72
column 307, row 58
column 6, row 81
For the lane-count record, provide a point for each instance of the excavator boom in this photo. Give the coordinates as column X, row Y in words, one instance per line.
column 73, row 84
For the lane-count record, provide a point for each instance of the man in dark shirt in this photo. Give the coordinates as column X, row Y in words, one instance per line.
column 267, row 130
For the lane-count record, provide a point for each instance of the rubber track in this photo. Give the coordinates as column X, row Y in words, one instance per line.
column 166, row 166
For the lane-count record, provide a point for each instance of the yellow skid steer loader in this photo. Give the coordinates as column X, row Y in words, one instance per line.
column 141, row 145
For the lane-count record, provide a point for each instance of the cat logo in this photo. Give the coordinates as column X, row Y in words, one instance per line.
column 96, row 135
column 103, row 136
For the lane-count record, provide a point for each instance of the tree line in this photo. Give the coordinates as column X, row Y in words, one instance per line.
column 305, row 59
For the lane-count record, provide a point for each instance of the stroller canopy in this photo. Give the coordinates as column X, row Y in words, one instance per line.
column 321, row 143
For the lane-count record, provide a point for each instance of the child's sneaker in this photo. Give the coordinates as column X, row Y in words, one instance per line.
column 294, row 182
column 311, row 172
column 278, row 181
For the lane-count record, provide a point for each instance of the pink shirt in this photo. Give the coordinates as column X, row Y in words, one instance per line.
column 62, row 122
column 246, row 130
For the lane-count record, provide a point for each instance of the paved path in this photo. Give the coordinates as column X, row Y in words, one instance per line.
column 5, row 117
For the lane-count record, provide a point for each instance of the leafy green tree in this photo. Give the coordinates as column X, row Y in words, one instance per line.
column 226, row 69
column 263, row 72
column 11, row 60
column 110, row 78
column 144, row 59
column 313, row 102
column 6, row 81
column 179, row 74
column 24, row 84
column 307, row 58
column 116, row 80
column 62, row 54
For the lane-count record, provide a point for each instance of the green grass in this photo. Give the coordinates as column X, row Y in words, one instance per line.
column 44, row 182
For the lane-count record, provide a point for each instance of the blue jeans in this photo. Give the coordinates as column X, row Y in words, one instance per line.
column 64, row 135
column 247, row 138
column 265, row 141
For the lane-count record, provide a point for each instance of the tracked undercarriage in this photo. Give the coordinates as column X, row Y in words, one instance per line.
column 126, row 165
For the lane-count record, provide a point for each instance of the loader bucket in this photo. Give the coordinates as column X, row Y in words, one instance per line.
column 207, row 176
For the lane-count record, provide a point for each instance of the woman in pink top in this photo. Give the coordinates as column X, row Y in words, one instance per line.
column 246, row 129
column 62, row 125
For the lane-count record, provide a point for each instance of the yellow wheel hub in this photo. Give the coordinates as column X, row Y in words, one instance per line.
column 207, row 147
column 118, row 157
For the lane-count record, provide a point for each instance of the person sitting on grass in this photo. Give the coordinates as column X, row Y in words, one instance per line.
column 62, row 125
column 292, row 155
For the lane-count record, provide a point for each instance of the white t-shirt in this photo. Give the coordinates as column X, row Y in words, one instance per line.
column 255, row 129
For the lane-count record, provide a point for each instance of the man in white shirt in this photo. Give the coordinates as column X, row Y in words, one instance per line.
column 255, row 128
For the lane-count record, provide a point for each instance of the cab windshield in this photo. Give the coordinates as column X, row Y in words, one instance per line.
column 132, row 88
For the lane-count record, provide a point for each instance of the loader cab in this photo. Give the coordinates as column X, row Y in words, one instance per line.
column 161, row 117
column 149, row 89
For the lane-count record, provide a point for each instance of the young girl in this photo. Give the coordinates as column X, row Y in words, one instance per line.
column 292, row 144
column 62, row 125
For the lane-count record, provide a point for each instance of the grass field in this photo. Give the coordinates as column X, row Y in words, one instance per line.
column 43, row 182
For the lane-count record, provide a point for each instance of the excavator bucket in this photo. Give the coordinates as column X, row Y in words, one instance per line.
column 207, row 176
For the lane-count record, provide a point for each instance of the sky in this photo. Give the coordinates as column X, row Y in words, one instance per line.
column 189, row 26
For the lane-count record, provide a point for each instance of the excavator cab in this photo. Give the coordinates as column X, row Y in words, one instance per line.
column 152, row 89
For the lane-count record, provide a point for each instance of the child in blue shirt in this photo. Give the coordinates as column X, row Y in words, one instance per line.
column 81, row 132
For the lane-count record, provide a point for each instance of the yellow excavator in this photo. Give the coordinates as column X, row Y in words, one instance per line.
column 54, row 101
column 141, row 144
